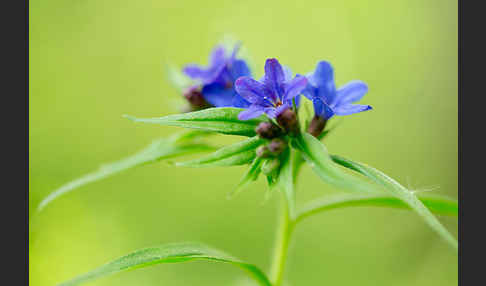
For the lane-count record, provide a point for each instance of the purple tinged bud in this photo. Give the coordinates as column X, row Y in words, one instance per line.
column 272, row 149
column 288, row 120
column 263, row 152
column 195, row 98
column 268, row 130
column 317, row 125
column 277, row 146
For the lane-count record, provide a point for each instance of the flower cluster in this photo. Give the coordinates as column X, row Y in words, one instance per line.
column 216, row 81
column 227, row 82
column 271, row 95
column 329, row 101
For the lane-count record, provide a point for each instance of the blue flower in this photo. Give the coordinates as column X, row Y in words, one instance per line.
column 273, row 94
column 327, row 100
column 218, row 78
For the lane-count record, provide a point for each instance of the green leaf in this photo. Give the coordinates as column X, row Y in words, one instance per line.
column 297, row 160
column 218, row 119
column 305, row 114
column 163, row 148
column 315, row 153
column 271, row 181
column 437, row 204
column 169, row 253
column 240, row 153
column 272, row 185
column 400, row 192
column 271, row 166
column 285, row 179
column 250, row 176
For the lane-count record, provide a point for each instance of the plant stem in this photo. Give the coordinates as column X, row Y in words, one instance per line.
column 284, row 233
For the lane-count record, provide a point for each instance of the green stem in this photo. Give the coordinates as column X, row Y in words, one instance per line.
column 284, row 233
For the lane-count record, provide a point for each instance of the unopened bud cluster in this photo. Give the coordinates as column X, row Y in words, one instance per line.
column 288, row 120
column 195, row 98
column 272, row 149
column 268, row 130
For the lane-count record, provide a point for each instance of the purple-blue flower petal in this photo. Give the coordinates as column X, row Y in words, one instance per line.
column 297, row 101
column 350, row 109
column 323, row 75
column 250, row 89
column 309, row 91
column 323, row 79
column 217, row 62
column 294, row 87
column 281, row 109
column 252, row 112
column 204, row 75
column 287, row 73
column 322, row 109
column 273, row 112
column 239, row 101
column 217, row 56
column 194, row 71
column 239, row 68
column 351, row 92
column 235, row 51
column 328, row 112
column 217, row 95
column 274, row 78
column 274, row 73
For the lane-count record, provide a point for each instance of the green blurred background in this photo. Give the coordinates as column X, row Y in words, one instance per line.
column 92, row 61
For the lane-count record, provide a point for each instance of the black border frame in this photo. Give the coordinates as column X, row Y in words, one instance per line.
column 14, row 20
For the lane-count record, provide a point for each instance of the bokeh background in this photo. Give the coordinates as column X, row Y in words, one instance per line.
column 92, row 61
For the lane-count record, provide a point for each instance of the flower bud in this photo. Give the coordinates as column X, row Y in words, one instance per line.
column 270, row 165
column 276, row 146
column 267, row 130
column 263, row 152
column 195, row 98
column 317, row 125
column 288, row 120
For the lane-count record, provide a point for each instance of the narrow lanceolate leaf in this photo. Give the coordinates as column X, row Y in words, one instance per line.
column 218, row 119
column 250, row 176
column 298, row 160
column 437, row 204
column 169, row 253
column 240, row 153
column 305, row 114
column 163, row 148
column 285, row 179
column 315, row 153
column 400, row 192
